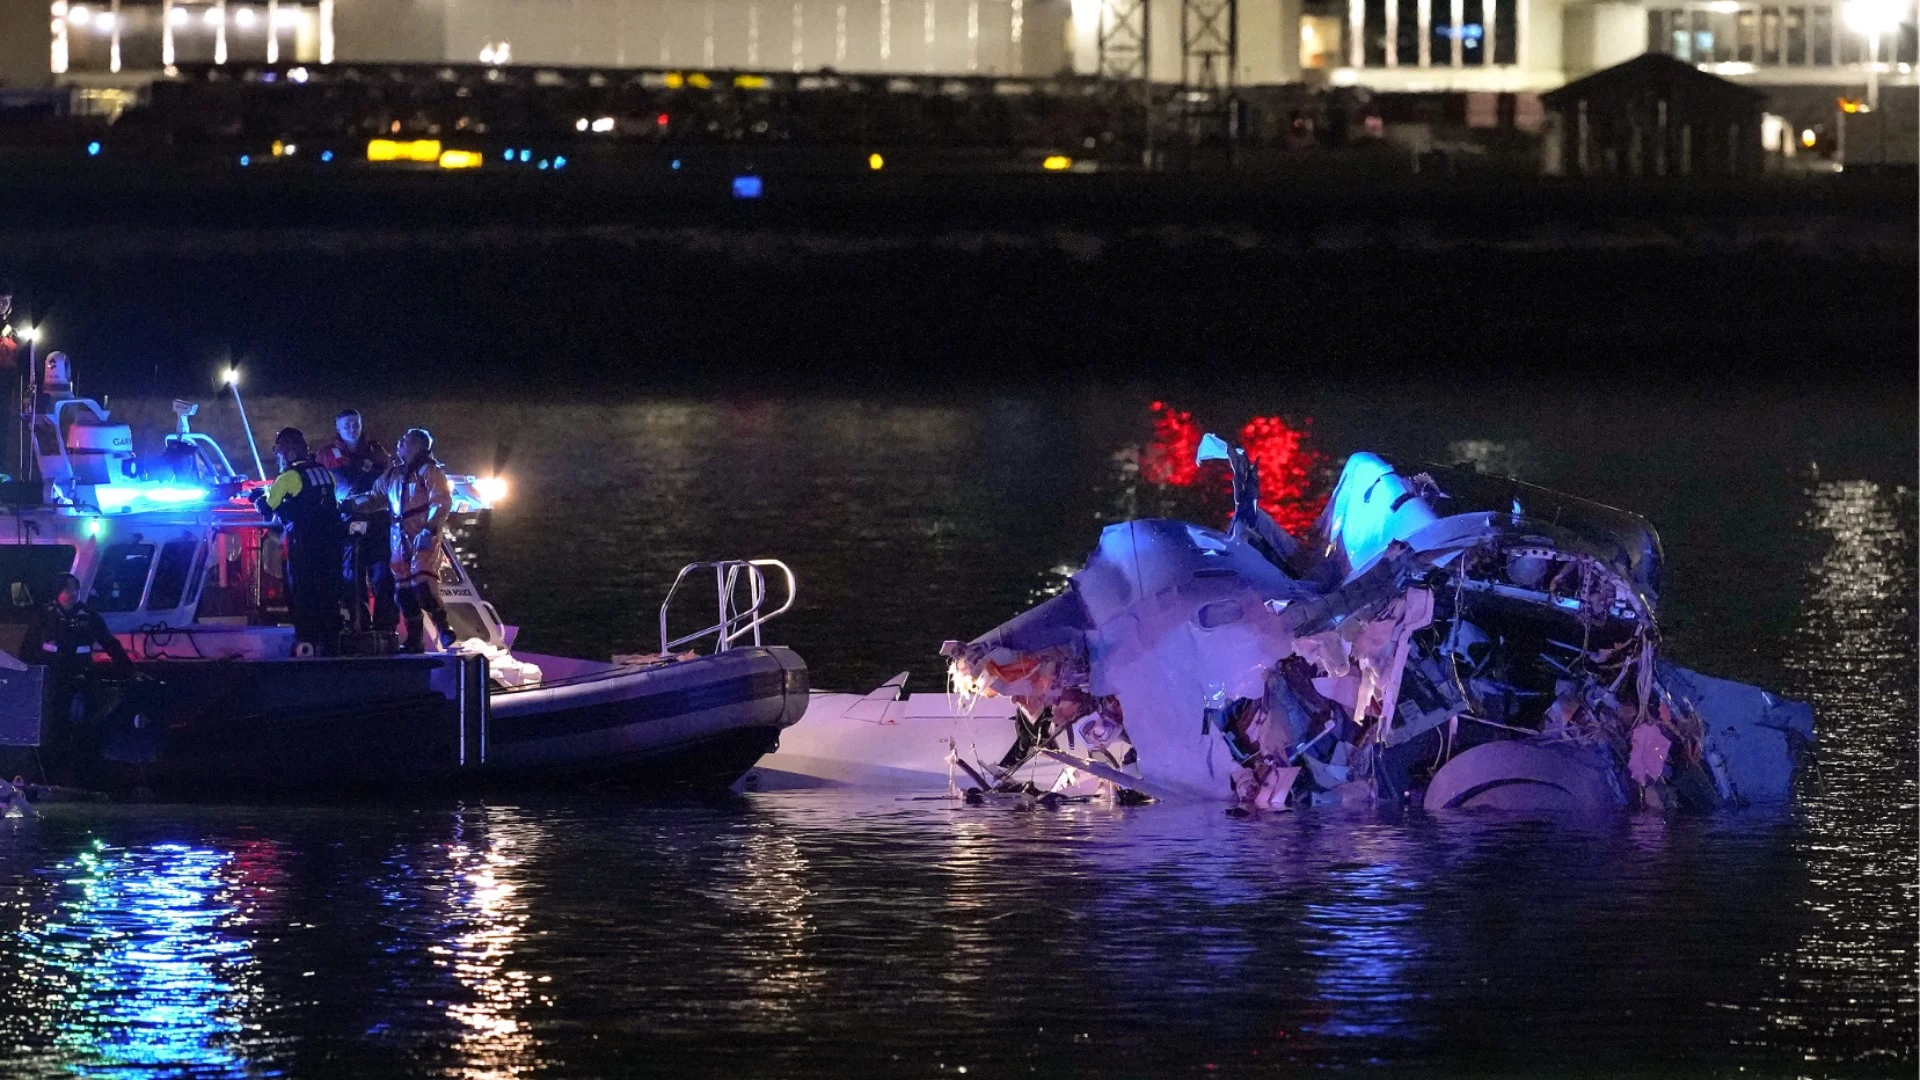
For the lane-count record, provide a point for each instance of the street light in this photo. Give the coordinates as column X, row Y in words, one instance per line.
column 1873, row 18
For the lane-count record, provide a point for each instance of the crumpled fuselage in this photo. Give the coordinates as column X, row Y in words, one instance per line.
column 1443, row 638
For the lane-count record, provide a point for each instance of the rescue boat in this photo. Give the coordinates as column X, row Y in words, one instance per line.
column 186, row 573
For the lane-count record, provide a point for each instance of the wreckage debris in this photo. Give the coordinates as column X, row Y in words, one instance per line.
column 1440, row 638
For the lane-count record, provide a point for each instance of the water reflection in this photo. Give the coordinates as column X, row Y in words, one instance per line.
column 762, row 881
column 140, row 971
column 461, row 901
column 1852, row 653
column 486, row 924
column 1365, row 929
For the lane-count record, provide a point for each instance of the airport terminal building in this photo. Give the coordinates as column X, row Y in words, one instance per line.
column 1792, row 48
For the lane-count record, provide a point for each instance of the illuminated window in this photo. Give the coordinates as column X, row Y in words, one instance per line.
column 1796, row 36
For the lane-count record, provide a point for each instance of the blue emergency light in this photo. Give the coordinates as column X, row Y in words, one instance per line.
column 746, row 187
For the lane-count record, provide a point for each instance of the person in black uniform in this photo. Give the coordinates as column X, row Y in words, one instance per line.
column 313, row 536
column 63, row 636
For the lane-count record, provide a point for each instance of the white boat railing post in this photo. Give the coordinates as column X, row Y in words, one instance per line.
column 735, row 622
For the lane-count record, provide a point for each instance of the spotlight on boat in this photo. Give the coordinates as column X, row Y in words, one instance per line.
column 231, row 378
column 491, row 488
column 27, row 333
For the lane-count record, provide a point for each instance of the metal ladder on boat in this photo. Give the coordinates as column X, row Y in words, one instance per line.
column 737, row 619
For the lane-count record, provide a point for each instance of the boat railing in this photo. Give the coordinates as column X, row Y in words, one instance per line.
column 738, row 620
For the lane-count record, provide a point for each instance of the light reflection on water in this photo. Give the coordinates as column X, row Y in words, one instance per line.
column 141, row 969
column 1853, row 648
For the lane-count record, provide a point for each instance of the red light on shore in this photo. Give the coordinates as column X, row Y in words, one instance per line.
column 661, row 119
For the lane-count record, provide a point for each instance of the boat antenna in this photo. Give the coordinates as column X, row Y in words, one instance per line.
column 233, row 382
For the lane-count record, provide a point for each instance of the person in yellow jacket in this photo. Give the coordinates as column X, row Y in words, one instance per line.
column 302, row 501
column 420, row 498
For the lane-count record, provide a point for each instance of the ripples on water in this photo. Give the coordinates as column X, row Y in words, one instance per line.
column 837, row 935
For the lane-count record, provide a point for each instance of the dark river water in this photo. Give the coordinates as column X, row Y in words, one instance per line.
column 807, row 934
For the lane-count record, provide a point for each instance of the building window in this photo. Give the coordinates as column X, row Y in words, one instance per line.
column 1506, row 37
column 1406, row 33
column 1441, row 35
column 1822, row 36
column 1796, row 36
column 1702, row 36
column 1747, row 30
column 1373, row 33
column 1769, row 35
column 1473, row 33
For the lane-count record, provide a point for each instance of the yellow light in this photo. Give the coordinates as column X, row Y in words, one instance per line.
column 1057, row 163
column 491, row 488
column 675, row 80
column 426, row 151
column 1808, row 138
column 699, row 81
column 876, row 162
column 279, row 148
column 460, row 159
column 750, row 82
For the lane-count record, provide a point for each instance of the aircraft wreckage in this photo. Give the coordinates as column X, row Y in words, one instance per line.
column 1442, row 638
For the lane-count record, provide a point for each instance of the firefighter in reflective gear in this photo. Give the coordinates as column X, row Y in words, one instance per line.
column 302, row 500
column 420, row 498
column 358, row 462
column 64, row 636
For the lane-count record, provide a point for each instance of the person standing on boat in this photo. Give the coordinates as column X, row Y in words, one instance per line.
column 63, row 637
column 313, row 535
column 420, row 498
column 358, row 463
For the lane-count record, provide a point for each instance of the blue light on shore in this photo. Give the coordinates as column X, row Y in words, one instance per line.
column 559, row 162
column 326, row 155
column 526, row 155
column 746, row 187
column 93, row 149
column 246, row 160
column 545, row 164
column 676, row 164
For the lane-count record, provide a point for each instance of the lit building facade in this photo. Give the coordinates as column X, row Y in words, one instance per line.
column 1404, row 45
